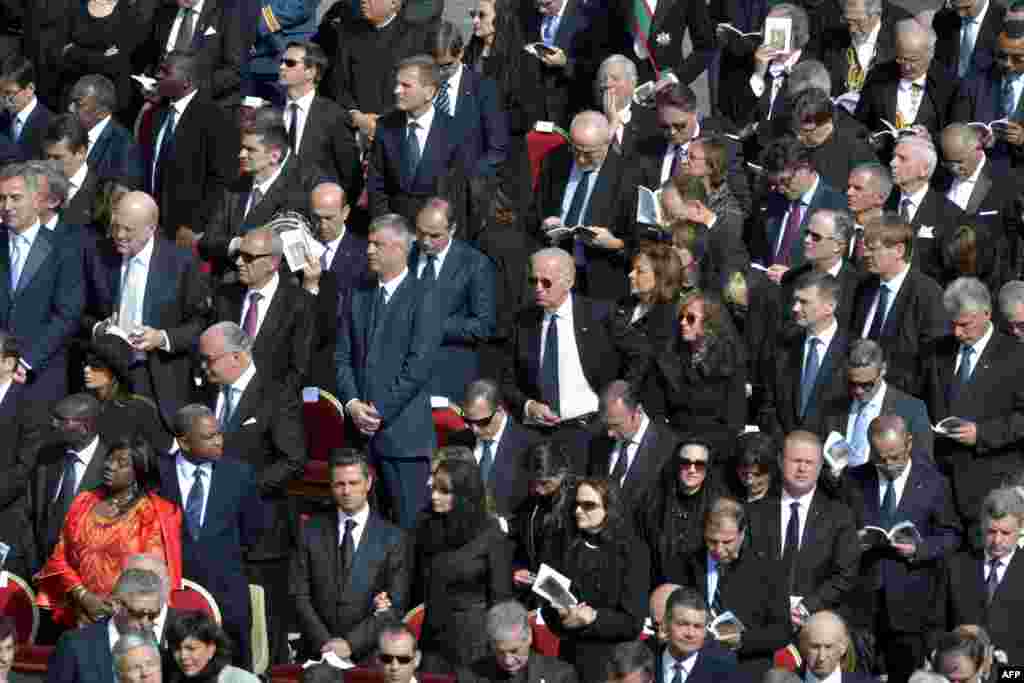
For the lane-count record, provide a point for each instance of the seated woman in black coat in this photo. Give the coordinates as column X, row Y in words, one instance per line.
column 753, row 471
column 464, row 566
column 610, row 569
column 541, row 525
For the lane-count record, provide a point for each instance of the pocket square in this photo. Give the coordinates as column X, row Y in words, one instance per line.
column 988, row 213
column 210, row 31
column 250, row 421
column 926, row 232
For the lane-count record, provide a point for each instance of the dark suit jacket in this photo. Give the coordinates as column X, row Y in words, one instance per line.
column 117, row 154
column 906, row 584
column 31, row 140
column 283, row 346
column 658, row 446
column 266, row 432
column 328, row 607
column 43, row 42
column 465, row 289
column 328, row 144
column 607, row 351
column 780, row 412
column 539, row 668
column 509, row 478
column 713, row 664
column 176, row 301
column 21, row 431
column 79, row 210
column 442, row 162
column 980, row 99
column 82, row 655
column 878, row 98
column 610, row 199
column 849, row 277
column 481, row 121
column 45, row 308
column 939, row 214
column 964, row 600
column 199, row 164
column 826, row 564
column 348, row 269
column 219, row 40
column 668, row 26
column 946, row 24
column 915, row 318
column 770, row 223
column 896, row 402
column 390, row 364
column 989, row 400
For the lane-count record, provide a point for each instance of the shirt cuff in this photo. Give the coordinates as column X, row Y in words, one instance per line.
column 233, row 244
column 23, row 363
column 165, row 345
column 348, row 405
column 757, row 85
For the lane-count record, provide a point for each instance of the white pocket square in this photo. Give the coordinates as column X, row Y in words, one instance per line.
column 210, row 31
column 250, row 421
column 988, row 213
column 926, row 232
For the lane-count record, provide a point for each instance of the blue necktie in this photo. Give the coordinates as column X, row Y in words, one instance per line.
column 412, row 152
column 165, row 145
column 966, row 46
column 880, row 310
column 575, row 215
column 859, row 439
column 810, row 374
column 17, row 258
column 194, row 505
column 228, row 412
column 888, row 511
column 442, row 101
column 549, row 367
column 963, row 373
column 486, row 460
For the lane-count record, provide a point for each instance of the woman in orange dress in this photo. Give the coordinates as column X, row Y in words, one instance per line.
column 103, row 527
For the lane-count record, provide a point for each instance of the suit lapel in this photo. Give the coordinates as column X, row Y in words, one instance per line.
column 660, row 12
column 5, row 268
column 567, row 26
column 981, row 189
column 93, row 476
column 1013, row 578
column 100, row 148
column 246, row 404
column 359, row 577
column 37, row 255
column 214, row 502
column 431, row 153
column 156, row 285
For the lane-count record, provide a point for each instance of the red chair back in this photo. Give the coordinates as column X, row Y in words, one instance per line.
column 194, row 598
column 18, row 602
column 446, row 421
column 32, row 659
column 538, row 146
column 324, row 420
column 544, row 641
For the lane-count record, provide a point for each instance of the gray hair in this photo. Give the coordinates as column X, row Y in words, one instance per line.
column 508, row 620
column 58, row 183
column 159, row 567
column 801, row 30
column 1010, row 296
column 185, row 419
column 866, row 353
column 21, row 170
column 133, row 640
column 872, row 8
column 98, row 86
column 567, row 265
column 809, row 75
column 923, row 148
column 276, row 243
column 966, row 295
column 913, row 26
column 236, row 340
column 485, row 390
column 842, row 223
column 397, row 225
column 621, row 60
column 880, row 174
column 1000, row 503
column 139, row 582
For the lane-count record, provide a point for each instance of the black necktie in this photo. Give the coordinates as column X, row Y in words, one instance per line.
column 579, row 198
column 165, row 145
column 880, row 310
column 185, row 30
column 549, row 367
column 993, row 579
column 888, row 509
column 379, row 307
column 430, row 270
column 194, row 505
column 347, row 549
column 293, row 127
column 619, row 471
column 792, row 543
column 412, row 152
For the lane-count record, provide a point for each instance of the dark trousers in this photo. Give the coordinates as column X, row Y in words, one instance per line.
column 403, row 488
column 902, row 652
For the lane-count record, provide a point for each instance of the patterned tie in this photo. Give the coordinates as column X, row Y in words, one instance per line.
column 442, row 101
column 486, row 460
column 887, row 512
column 430, row 270
column 17, row 258
column 293, row 127
column 968, row 28
column 16, row 127
column 185, row 29
column 881, row 310
column 127, row 315
column 547, row 34
column 810, row 374
column 194, row 504
column 792, row 231
column 992, row 583
column 677, row 677
column 252, row 315
column 549, row 367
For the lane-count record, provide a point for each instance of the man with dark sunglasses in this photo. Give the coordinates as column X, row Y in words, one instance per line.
column 398, row 655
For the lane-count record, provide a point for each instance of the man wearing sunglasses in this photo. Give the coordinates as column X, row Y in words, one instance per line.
column 398, row 655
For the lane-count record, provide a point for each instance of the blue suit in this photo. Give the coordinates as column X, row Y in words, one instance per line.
column 390, row 364
column 980, row 99
column 233, row 519
column 481, row 121
column 766, row 236
column 116, row 154
column 466, row 289
column 44, row 310
column 82, row 656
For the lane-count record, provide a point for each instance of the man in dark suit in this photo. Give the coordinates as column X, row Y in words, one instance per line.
column 814, row 535
column 317, row 127
column 798, row 192
column 272, row 181
column 84, row 655
column 191, row 156
column 223, row 516
column 40, row 283
column 113, row 152
column 632, row 449
column 473, row 102
column 465, row 280
column 933, row 217
column 74, row 450
column 685, row 655
column 660, row 49
column 508, row 626
column 964, row 374
column 837, row 141
column 332, row 277
column 351, row 568
column 916, row 90
column 417, row 153
column 824, row 641
column 209, row 28
column 498, row 442
column 867, row 190
column 809, row 374
column 870, row 396
column 970, row 24
column 584, row 184
column 67, row 143
column 24, row 117
column 566, row 406
column 892, row 489
column 152, row 290
column 391, row 330
column 985, row 586
column 909, row 301
column 262, row 423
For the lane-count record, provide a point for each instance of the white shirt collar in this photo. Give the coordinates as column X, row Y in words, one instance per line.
column 667, row 661
column 626, row 114
column 198, row 8
column 454, row 81
column 144, row 255
column 394, row 283
column 876, row 400
column 564, row 312
column 906, row 85
column 1004, row 560
column 96, row 131
column 873, row 36
column 187, row 468
column 807, row 196
column 834, row 270
column 268, row 290
column 265, row 186
column 804, row 500
column 642, row 431
column 974, row 176
column 27, row 111
column 826, row 336
column 29, row 234
column 85, row 455
column 360, row 517
column 424, row 120
column 441, row 255
column 304, row 102
column 896, row 282
column 333, row 245
column 979, row 346
column 834, row 677
column 181, row 104
column 501, row 430
column 243, row 380
column 980, row 19
column 51, row 224
column 79, row 178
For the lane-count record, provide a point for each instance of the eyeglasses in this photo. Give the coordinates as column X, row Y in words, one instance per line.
column 249, row 258
column 587, row 505
column 691, row 318
column 291, row 63
column 391, row 659
column 697, row 465
column 482, row 422
column 544, row 282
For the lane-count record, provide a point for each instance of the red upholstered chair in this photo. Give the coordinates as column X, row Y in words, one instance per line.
column 414, row 619
column 787, row 658
column 324, row 419
column 286, row 673
column 18, row 601
column 538, row 146
column 446, row 421
column 194, row 598
column 32, row 659
column 544, row 641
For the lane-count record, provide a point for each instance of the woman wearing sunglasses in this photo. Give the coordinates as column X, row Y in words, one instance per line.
column 609, row 567
column 672, row 521
column 464, row 566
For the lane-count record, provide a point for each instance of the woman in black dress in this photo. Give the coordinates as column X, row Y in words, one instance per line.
column 464, row 566
column 609, row 568
column 541, row 524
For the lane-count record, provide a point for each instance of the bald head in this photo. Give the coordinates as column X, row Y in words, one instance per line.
column 133, row 223
column 590, row 136
column 888, row 427
column 823, row 643
column 329, row 207
column 327, row 195
column 962, row 149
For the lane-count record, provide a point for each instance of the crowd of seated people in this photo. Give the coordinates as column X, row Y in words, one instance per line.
column 758, row 354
